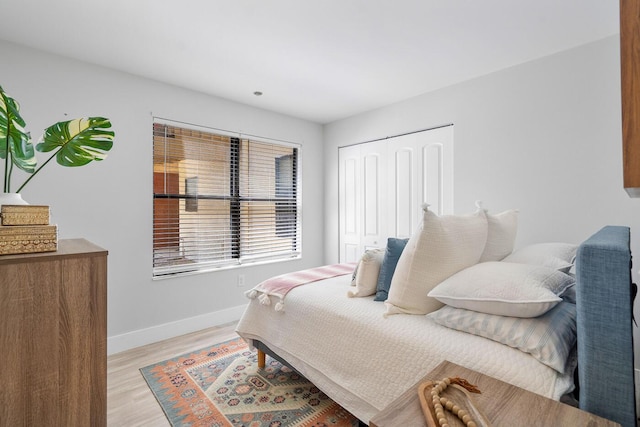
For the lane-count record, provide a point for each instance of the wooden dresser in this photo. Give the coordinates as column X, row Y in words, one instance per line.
column 53, row 337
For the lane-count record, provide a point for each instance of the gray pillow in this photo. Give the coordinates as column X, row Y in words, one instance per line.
column 549, row 338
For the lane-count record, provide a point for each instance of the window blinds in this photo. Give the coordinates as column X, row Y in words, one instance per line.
column 222, row 200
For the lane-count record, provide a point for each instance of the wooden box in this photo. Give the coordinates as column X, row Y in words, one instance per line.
column 24, row 215
column 23, row 239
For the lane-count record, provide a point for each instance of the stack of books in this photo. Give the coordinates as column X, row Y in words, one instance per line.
column 26, row 229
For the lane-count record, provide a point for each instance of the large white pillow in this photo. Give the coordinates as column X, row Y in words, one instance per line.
column 559, row 256
column 442, row 246
column 502, row 229
column 505, row 289
column 366, row 274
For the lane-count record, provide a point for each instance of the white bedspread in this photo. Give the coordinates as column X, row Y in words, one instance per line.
column 364, row 361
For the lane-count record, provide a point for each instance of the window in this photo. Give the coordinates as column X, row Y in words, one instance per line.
column 221, row 200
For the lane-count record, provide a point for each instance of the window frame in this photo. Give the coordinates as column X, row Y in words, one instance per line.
column 236, row 200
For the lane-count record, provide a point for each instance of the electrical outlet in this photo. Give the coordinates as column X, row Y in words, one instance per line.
column 240, row 280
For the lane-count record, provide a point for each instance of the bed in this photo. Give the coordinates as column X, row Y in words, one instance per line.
column 364, row 360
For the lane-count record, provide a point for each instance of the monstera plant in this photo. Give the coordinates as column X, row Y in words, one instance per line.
column 73, row 142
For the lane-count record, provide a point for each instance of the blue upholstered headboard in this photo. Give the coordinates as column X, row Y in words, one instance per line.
column 605, row 337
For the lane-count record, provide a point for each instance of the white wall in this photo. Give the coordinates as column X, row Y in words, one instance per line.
column 544, row 137
column 110, row 203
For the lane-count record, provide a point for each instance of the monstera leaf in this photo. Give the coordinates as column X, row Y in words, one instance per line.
column 78, row 141
column 15, row 142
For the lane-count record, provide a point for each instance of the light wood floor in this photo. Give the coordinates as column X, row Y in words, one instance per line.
column 130, row 403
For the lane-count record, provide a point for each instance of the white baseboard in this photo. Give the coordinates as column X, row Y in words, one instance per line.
column 118, row 343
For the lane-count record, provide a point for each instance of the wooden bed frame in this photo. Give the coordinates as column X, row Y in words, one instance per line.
column 604, row 302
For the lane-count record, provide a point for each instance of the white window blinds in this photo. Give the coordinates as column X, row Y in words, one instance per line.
column 221, row 200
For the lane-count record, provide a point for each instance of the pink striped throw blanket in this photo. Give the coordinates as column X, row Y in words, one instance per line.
column 279, row 286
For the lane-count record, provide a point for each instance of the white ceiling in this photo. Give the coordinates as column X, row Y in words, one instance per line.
column 318, row 60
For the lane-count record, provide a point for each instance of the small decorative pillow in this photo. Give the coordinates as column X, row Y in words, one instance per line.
column 503, row 288
column 366, row 275
column 391, row 256
column 442, row 246
column 502, row 235
column 559, row 256
column 549, row 338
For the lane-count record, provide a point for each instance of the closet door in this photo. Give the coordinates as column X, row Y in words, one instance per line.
column 403, row 193
column 422, row 167
column 373, row 157
column 363, row 188
column 383, row 185
column 350, row 183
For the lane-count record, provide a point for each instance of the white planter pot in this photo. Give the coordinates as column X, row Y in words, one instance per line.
column 11, row 199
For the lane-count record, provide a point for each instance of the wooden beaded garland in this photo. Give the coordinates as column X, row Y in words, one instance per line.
column 441, row 403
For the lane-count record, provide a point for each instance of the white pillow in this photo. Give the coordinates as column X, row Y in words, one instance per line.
column 366, row 274
column 503, row 288
column 442, row 246
column 549, row 338
column 502, row 235
column 559, row 256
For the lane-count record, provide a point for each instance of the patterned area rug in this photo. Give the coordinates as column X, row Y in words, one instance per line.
column 221, row 385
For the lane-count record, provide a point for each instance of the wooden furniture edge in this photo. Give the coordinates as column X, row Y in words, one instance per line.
column 67, row 248
column 630, row 95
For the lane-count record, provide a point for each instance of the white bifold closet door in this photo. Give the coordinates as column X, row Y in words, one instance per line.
column 383, row 185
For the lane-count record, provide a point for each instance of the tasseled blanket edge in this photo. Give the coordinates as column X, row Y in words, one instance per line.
column 265, row 299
